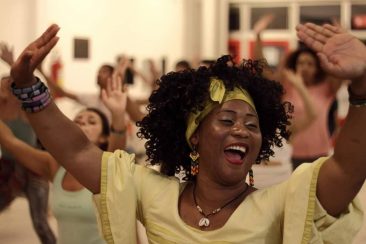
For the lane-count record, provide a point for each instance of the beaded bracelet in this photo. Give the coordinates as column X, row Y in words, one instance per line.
column 34, row 98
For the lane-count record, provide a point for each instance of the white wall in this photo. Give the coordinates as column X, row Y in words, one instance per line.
column 140, row 28
column 214, row 19
column 16, row 24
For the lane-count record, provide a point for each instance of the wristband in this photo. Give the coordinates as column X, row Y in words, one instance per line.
column 354, row 100
column 34, row 98
column 118, row 132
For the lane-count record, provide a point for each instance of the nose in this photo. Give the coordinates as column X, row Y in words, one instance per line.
column 81, row 123
column 240, row 130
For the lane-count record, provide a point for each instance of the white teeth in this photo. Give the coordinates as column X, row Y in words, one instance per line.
column 238, row 148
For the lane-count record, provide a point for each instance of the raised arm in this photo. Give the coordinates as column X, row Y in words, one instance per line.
column 343, row 56
column 62, row 138
column 258, row 28
column 299, row 124
column 114, row 98
column 37, row 161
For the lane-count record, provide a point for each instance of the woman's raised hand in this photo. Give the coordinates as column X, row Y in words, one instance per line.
column 23, row 68
column 262, row 23
column 341, row 53
column 114, row 96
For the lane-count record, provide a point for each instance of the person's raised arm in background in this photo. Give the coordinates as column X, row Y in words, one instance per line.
column 258, row 28
column 299, row 124
column 114, row 98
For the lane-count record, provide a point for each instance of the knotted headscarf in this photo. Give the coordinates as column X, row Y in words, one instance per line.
column 218, row 95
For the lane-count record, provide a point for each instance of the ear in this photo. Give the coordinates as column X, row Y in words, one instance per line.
column 194, row 138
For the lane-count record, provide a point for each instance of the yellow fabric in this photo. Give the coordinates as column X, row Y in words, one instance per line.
column 218, row 95
column 285, row 213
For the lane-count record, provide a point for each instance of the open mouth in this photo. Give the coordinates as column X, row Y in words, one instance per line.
column 235, row 154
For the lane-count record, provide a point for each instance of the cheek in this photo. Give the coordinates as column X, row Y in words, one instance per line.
column 92, row 131
column 257, row 145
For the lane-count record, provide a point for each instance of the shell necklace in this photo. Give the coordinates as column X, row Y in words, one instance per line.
column 204, row 221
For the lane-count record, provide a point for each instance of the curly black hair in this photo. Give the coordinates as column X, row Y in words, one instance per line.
column 180, row 93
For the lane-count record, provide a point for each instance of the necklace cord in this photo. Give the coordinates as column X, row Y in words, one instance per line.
column 217, row 209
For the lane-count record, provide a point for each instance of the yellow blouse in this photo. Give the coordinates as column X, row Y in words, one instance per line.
column 286, row 213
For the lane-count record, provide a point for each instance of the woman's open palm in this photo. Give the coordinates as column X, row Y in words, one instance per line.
column 341, row 54
column 23, row 68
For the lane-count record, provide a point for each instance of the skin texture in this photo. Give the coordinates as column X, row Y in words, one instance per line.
column 235, row 123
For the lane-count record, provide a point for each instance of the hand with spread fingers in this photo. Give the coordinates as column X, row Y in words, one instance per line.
column 341, row 53
column 114, row 96
column 32, row 56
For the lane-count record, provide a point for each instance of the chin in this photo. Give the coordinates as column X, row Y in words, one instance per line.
column 232, row 178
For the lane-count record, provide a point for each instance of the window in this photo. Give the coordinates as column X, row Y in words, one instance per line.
column 358, row 17
column 320, row 14
column 279, row 22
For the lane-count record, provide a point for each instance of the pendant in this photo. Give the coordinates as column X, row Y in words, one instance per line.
column 204, row 222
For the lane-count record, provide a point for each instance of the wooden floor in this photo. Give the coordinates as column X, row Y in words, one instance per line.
column 16, row 226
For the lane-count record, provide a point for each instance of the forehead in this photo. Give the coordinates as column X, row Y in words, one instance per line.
column 88, row 114
column 236, row 106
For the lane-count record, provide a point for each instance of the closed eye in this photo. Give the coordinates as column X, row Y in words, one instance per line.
column 251, row 125
column 226, row 121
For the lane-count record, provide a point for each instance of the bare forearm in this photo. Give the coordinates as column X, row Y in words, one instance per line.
column 68, row 145
column 35, row 160
column 258, row 48
column 351, row 142
column 343, row 175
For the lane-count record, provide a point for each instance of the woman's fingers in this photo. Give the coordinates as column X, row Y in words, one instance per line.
column 22, row 70
column 109, row 87
column 310, row 37
column 118, row 81
column 43, row 52
column 47, row 36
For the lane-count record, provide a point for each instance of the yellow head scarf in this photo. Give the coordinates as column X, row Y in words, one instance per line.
column 218, row 95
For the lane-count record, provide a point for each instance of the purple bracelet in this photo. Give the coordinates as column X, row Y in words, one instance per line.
column 34, row 98
column 42, row 99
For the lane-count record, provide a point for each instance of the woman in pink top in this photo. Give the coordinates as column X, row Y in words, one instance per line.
column 312, row 141
column 310, row 136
